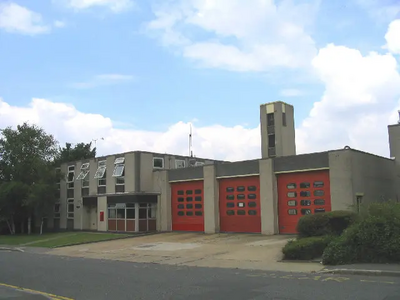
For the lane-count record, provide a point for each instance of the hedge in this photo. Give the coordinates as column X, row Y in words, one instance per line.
column 306, row 248
column 375, row 238
column 328, row 223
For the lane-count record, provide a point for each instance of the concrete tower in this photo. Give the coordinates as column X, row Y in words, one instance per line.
column 277, row 129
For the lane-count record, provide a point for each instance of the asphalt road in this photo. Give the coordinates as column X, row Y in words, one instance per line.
column 87, row 279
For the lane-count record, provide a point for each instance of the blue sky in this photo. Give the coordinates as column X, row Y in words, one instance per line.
column 148, row 65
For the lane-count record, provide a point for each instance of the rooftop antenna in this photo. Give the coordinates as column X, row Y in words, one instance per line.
column 190, row 142
column 398, row 121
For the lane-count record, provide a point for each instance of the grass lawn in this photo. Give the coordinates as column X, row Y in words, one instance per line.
column 51, row 240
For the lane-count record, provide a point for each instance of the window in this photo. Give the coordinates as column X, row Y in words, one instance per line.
column 230, row 212
column 318, row 184
column 189, row 206
column 241, row 212
column 158, row 162
column 251, row 196
column 118, row 170
column 198, row 206
column 292, row 203
column 189, row 213
column 70, row 176
column 198, row 192
column 270, row 119
column 199, row 163
column 252, row 188
column 112, row 213
column 180, row 163
column 119, row 161
column 283, row 119
column 181, row 199
column 305, row 194
column 271, row 140
column 241, row 196
column 319, row 202
column 198, row 199
column 85, row 166
column 181, row 192
column 292, row 211
column 189, row 192
column 252, row 212
column 319, row 210
column 71, row 168
column 70, row 208
column 240, row 188
column 319, row 193
column 181, row 206
column 292, row 194
column 241, row 204
column 198, row 213
column 130, row 213
column 181, row 213
column 291, row 186
column 305, row 211
column 305, row 202
column 252, row 204
column 189, row 199
column 230, row 204
column 57, row 208
column 304, row 185
column 84, row 171
column 101, row 169
column 230, row 197
column 230, row 189
column 85, row 182
column 120, row 181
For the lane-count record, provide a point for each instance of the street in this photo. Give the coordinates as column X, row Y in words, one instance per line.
column 87, row 279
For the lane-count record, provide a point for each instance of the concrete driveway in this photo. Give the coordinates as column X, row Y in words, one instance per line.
column 243, row 251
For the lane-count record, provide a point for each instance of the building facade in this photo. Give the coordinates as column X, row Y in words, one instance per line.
column 143, row 191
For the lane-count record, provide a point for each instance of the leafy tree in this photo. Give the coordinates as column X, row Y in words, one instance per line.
column 79, row 152
column 27, row 175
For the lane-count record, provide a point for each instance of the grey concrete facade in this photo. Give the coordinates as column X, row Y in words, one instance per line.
column 354, row 177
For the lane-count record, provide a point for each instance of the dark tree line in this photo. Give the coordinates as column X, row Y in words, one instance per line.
column 28, row 178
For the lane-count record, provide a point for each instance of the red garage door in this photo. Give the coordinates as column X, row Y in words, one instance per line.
column 187, row 206
column 239, row 204
column 300, row 194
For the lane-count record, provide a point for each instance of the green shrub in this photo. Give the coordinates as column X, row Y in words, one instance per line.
column 306, row 248
column 375, row 238
column 328, row 223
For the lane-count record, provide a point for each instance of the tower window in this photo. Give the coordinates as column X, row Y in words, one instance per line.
column 283, row 119
column 270, row 119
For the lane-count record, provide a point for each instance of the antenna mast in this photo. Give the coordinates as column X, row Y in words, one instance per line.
column 398, row 122
column 190, row 142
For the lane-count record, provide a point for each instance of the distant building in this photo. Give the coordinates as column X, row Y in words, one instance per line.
column 143, row 191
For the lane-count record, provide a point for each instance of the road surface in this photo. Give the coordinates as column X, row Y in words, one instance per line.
column 76, row 278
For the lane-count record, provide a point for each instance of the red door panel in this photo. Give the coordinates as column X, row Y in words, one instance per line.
column 300, row 194
column 239, row 204
column 187, row 206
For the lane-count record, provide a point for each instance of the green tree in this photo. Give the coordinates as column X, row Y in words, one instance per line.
column 78, row 152
column 28, row 178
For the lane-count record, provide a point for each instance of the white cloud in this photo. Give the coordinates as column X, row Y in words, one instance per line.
column 114, row 5
column 361, row 97
column 246, row 35
column 18, row 19
column 104, row 79
column 291, row 93
column 393, row 37
column 59, row 24
column 69, row 125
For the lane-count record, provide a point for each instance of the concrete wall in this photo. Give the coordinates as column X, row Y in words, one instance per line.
column 102, row 206
column 130, row 174
column 268, row 197
column 211, row 200
column 302, row 162
column 352, row 172
column 63, row 198
column 164, row 214
column 78, row 214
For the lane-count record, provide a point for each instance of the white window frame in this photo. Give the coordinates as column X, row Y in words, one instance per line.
column 71, row 168
column 162, row 159
column 82, row 175
column 85, row 166
column 119, row 167
column 120, row 180
column 180, row 161
column 85, row 181
column 102, row 163
column 119, row 161
column 73, row 176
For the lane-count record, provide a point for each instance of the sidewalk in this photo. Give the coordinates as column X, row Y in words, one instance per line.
column 392, row 270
